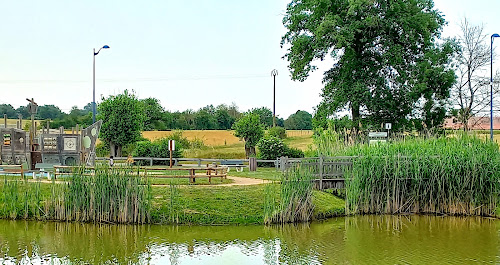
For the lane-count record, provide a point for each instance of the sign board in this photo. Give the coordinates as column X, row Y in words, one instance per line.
column 377, row 134
column 171, row 145
column 388, row 126
column 377, row 142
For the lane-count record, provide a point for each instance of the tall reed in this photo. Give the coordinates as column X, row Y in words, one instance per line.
column 446, row 175
column 296, row 198
column 110, row 195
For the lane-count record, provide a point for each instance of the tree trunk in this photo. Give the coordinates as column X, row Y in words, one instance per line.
column 115, row 150
column 355, row 115
column 249, row 151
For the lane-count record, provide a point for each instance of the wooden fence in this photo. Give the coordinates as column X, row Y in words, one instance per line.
column 329, row 171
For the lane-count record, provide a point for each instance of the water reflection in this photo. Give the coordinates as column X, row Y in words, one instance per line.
column 351, row 240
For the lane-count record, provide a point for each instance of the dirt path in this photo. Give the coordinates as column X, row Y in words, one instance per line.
column 239, row 181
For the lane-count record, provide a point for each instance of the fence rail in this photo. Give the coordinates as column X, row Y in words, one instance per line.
column 178, row 161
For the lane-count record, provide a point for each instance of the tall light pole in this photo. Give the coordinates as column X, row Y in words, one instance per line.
column 274, row 73
column 491, row 86
column 93, row 90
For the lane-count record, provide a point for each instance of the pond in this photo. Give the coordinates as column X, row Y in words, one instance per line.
column 408, row 239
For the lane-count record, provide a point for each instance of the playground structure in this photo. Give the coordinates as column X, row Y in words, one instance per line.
column 48, row 148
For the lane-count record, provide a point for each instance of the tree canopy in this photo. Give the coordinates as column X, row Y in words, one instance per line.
column 123, row 118
column 387, row 65
column 249, row 127
column 300, row 120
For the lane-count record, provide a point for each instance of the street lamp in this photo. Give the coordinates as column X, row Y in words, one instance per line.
column 274, row 73
column 491, row 86
column 93, row 90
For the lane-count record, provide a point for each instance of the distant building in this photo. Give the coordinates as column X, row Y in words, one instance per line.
column 475, row 123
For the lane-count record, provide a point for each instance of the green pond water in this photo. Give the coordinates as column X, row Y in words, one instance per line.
column 351, row 240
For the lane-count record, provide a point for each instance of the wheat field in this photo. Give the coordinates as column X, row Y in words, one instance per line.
column 215, row 137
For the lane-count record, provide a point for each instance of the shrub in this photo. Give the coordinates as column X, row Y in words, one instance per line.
column 157, row 148
column 293, row 152
column 278, row 132
column 271, row 147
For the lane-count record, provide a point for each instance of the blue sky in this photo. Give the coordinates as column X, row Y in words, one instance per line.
column 188, row 54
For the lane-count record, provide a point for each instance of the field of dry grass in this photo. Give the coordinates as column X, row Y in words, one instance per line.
column 220, row 137
column 11, row 123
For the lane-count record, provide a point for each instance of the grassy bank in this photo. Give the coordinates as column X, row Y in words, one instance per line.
column 171, row 203
column 226, row 205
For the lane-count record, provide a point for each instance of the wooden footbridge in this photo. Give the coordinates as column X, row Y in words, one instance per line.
column 329, row 171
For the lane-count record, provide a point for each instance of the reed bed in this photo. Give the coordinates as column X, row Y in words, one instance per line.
column 107, row 196
column 456, row 175
column 110, row 195
column 295, row 203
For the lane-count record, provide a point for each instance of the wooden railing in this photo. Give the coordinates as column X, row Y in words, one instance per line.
column 155, row 172
column 12, row 169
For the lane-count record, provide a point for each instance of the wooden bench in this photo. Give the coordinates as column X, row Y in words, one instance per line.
column 45, row 167
column 238, row 164
column 208, row 172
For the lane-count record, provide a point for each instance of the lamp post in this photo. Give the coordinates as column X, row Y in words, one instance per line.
column 274, row 73
column 93, row 90
column 491, row 86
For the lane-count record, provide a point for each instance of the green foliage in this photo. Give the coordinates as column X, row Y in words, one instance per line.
column 388, row 66
column 159, row 148
column 49, row 112
column 123, row 118
column 9, row 110
column 265, row 116
column 250, row 129
column 205, row 119
column 301, row 120
column 278, row 132
column 271, row 147
column 153, row 112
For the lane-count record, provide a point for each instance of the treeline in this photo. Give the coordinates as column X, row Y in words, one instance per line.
column 221, row 117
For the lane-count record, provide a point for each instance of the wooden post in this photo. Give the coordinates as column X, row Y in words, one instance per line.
column 252, row 164
column 321, row 173
column 5, row 120
column 20, row 117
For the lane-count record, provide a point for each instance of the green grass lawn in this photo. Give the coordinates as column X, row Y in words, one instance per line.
column 269, row 173
column 226, row 205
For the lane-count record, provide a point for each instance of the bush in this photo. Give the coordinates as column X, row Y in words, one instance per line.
column 157, row 148
column 271, row 147
column 278, row 132
column 293, row 152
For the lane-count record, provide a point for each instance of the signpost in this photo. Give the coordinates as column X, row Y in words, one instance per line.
column 171, row 147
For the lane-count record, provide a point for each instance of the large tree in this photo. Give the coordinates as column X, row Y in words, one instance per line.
column 153, row 112
column 249, row 127
column 9, row 110
column 123, row 119
column 300, row 120
column 386, row 62
column 470, row 94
